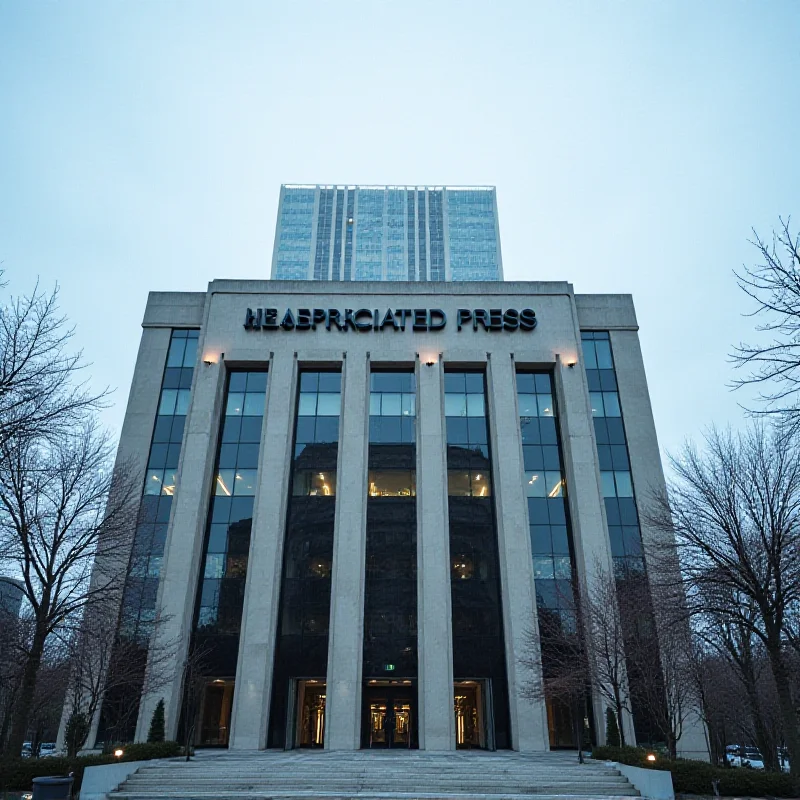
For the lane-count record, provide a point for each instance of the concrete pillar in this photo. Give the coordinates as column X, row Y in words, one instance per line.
column 251, row 700
column 346, row 631
column 585, row 499
column 183, row 551
column 648, row 480
column 434, row 612
column 520, row 625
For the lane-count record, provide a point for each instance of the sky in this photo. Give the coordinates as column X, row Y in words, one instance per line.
column 633, row 145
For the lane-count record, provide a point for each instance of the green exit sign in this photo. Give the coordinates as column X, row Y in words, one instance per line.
column 388, row 667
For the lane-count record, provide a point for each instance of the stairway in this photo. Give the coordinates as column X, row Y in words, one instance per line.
column 384, row 775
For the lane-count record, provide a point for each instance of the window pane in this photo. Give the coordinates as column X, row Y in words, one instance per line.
column 257, row 382
column 607, row 479
column 481, row 486
column 308, row 404
column 247, row 457
column 624, row 485
column 409, row 405
column 603, row 349
column 309, row 381
column 545, row 405
column 182, row 402
column 245, row 482
column 215, row 565
column 589, row 357
column 596, row 399
column 235, row 404
column 454, row 382
column 611, row 402
column 190, row 354
column 475, row 407
column 391, row 405
column 327, row 429
column 175, row 357
column 328, row 405
column 455, row 405
column 313, row 483
column 554, row 484
column 562, row 567
column 535, row 485
column 474, row 383
column 458, row 483
column 154, row 481
column 330, row 381
column 224, row 482
column 374, row 404
column 391, row 483
column 528, row 407
column 540, row 539
column 525, row 383
column 254, row 404
column 250, row 430
column 167, row 404
column 543, row 568
column 170, row 481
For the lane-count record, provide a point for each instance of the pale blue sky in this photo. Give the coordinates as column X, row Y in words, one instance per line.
column 633, row 145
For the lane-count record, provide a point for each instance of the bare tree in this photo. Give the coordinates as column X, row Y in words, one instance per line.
column 38, row 393
column 59, row 509
column 734, row 510
column 774, row 284
column 605, row 639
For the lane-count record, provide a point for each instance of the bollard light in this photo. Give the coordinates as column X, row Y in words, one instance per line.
column 119, row 751
column 651, row 756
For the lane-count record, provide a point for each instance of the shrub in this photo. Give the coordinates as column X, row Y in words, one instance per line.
column 156, row 733
column 18, row 773
column 612, row 729
column 696, row 777
column 76, row 732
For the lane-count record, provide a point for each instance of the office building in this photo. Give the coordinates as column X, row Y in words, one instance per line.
column 387, row 233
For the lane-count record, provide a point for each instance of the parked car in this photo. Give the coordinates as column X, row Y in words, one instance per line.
column 26, row 750
column 746, row 757
column 47, row 750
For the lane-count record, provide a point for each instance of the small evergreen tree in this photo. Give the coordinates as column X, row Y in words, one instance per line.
column 76, row 732
column 156, row 733
column 612, row 729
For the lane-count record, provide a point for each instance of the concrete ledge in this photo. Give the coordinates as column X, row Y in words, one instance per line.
column 653, row 784
column 99, row 781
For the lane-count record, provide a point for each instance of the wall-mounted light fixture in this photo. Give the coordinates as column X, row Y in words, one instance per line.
column 571, row 364
column 429, row 363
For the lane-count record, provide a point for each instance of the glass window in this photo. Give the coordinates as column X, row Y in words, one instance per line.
column 167, row 404
column 245, row 482
column 624, row 485
column 224, row 482
column 607, row 479
column 374, row 404
column 545, row 405
column 391, row 405
column 475, row 406
column 535, row 484
column 307, row 482
column 392, row 483
column 215, row 565
column 330, row 382
column 409, row 405
column 474, row 382
column 190, row 354
column 176, row 350
column 328, row 405
column 154, row 481
column 603, row 350
column 562, row 567
column 596, row 400
column 182, row 402
column 543, row 568
column 589, row 355
column 554, row 484
column 528, row 405
column 611, row 403
column 459, row 483
column 455, row 405
column 308, row 404
column 254, row 404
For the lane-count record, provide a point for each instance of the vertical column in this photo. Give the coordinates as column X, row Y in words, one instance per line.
column 437, row 727
column 184, row 547
column 648, row 479
column 343, row 704
column 262, row 595
column 528, row 718
column 584, row 495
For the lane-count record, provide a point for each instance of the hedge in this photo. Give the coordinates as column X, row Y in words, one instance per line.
column 18, row 773
column 696, row 777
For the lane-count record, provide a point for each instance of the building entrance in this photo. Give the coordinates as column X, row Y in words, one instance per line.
column 310, row 723
column 471, row 709
column 389, row 715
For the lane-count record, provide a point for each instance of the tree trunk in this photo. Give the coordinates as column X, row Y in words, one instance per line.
column 24, row 704
column 620, row 723
column 783, row 681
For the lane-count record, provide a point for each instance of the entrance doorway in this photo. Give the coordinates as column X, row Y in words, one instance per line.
column 470, row 706
column 310, row 722
column 389, row 715
column 215, row 714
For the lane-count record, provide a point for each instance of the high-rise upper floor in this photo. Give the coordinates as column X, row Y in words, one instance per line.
column 387, row 233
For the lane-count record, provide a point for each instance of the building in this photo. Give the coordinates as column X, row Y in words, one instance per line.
column 357, row 502
column 387, row 233
column 11, row 594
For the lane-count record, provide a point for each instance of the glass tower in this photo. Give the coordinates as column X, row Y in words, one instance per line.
column 387, row 233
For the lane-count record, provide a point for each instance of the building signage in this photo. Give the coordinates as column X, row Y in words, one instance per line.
column 368, row 319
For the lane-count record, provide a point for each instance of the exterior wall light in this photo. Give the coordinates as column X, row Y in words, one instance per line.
column 571, row 364
column 429, row 363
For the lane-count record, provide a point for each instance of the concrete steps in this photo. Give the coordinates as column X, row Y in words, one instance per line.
column 376, row 775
